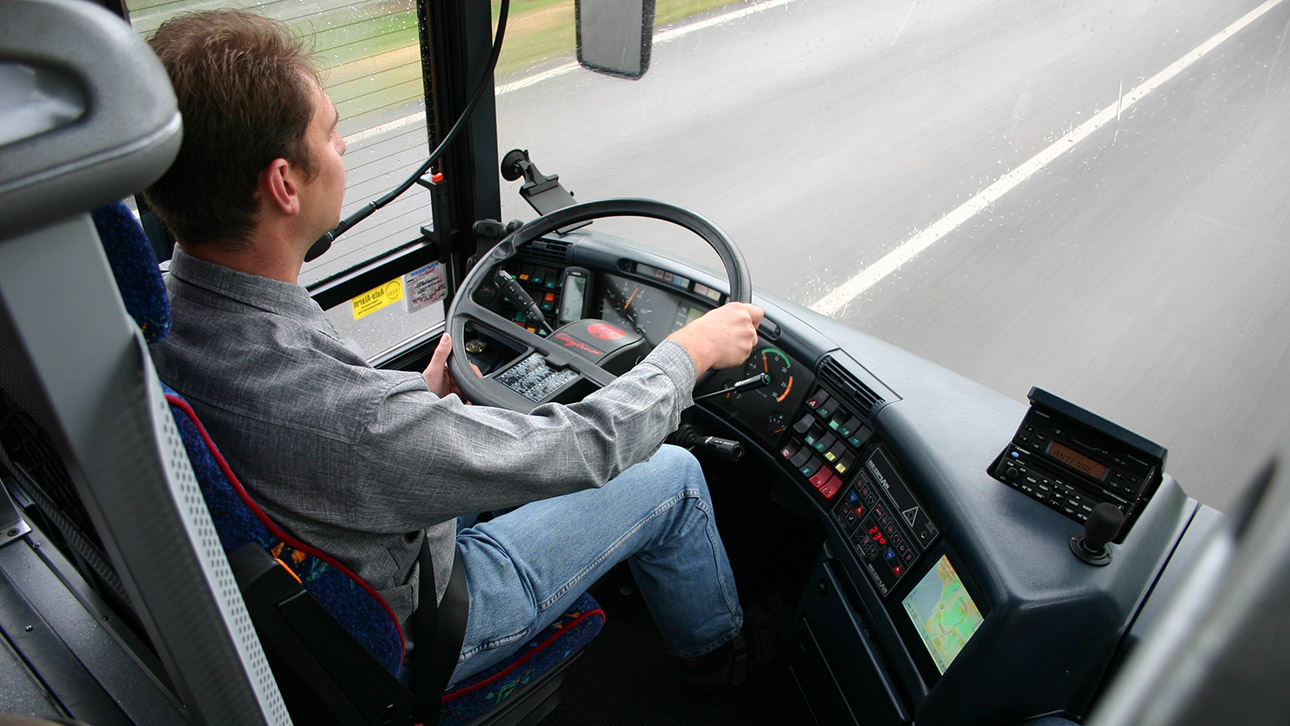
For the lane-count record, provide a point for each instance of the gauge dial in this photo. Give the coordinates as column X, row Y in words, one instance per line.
column 766, row 412
column 633, row 305
column 771, row 362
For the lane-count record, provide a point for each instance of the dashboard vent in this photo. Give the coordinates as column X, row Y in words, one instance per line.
column 548, row 250
column 831, row 371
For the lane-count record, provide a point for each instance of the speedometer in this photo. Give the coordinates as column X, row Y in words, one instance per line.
column 632, row 305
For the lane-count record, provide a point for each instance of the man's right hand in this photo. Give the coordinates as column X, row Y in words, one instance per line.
column 723, row 338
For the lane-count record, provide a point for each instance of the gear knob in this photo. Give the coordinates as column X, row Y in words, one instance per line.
column 1102, row 526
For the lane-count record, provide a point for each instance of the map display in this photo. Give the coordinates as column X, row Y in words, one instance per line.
column 943, row 613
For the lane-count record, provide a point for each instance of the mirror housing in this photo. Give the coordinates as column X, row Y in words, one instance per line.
column 615, row 36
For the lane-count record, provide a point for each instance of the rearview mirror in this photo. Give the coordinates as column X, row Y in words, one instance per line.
column 615, row 36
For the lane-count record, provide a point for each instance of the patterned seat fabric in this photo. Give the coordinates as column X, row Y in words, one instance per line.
column 354, row 604
column 566, row 636
column 239, row 521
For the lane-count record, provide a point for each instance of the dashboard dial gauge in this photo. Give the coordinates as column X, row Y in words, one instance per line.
column 771, row 362
column 630, row 304
column 766, row 404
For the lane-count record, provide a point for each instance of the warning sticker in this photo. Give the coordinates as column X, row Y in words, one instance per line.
column 425, row 286
column 377, row 298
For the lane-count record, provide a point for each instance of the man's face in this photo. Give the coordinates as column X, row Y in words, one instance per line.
column 322, row 195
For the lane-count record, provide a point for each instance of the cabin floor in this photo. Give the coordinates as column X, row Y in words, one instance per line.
column 625, row 678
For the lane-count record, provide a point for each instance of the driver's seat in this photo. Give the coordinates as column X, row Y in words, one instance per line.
column 335, row 646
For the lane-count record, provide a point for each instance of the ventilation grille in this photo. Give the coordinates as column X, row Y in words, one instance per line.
column 842, row 379
column 547, row 250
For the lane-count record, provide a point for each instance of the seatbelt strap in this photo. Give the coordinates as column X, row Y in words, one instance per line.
column 440, row 627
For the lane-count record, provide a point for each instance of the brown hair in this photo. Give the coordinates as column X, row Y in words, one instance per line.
column 243, row 84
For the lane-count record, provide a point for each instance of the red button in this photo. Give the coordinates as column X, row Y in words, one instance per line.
column 821, row 477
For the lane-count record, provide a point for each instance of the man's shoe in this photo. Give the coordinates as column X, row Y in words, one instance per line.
column 753, row 650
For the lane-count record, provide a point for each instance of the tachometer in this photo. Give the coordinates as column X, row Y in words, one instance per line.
column 765, row 413
column 771, row 362
column 765, row 406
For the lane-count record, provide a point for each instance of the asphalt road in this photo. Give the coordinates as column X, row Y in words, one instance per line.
column 1136, row 273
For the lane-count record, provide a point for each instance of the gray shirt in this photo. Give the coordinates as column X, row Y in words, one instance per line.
column 359, row 462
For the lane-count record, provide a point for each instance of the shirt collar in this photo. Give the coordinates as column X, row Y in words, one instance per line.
column 266, row 293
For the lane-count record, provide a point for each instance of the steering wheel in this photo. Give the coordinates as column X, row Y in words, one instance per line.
column 544, row 355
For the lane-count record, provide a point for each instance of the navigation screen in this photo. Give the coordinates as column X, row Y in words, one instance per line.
column 943, row 613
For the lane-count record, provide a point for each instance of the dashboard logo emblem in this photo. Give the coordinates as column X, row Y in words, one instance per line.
column 605, row 332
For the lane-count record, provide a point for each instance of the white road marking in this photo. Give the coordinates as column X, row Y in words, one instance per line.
column 560, row 70
column 833, row 302
column 901, row 29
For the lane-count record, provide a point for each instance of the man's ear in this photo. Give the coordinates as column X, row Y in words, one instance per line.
column 278, row 188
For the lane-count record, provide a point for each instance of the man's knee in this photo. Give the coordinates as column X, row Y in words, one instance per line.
column 676, row 469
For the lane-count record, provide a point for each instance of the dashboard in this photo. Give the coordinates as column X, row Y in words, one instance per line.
column 818, row 426
column 938, row 570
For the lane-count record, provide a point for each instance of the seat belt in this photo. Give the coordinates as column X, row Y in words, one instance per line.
column 440, row 627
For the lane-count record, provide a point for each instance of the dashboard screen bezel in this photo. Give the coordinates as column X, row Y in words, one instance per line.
column 914, row 616
column 909, row 634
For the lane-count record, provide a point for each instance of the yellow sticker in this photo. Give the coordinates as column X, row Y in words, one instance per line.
column 377, row 298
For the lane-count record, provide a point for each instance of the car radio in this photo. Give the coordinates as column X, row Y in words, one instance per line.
column 1072, row 460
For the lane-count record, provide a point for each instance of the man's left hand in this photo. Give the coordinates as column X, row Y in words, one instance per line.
column 436, row 374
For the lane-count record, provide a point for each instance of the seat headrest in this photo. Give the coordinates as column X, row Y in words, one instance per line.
column 135, row 268
column 87, row 112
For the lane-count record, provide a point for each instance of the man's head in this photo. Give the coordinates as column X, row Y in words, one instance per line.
column 248, row 93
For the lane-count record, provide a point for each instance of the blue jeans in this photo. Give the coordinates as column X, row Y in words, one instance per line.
column 526, row 567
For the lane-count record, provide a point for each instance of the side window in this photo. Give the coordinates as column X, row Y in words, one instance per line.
column 371, row 66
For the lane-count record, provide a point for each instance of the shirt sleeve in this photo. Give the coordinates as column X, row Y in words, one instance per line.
column 438, row 457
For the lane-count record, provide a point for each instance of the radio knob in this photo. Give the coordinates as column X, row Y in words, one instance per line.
column 1011, row 473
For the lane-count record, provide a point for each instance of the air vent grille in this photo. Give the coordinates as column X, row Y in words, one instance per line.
column 833, row 372
column 547, row 250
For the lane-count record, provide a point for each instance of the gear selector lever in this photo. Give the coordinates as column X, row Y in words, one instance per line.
column 1102, row 527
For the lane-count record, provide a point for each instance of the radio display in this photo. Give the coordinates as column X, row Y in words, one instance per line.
column 943, row 612
column 1077, row 461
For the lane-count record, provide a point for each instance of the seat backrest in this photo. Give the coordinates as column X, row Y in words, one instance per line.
column 87, row 116
column 305, row 664
column 240, row 521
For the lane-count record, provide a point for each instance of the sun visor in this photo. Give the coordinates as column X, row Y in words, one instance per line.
column 87, row 114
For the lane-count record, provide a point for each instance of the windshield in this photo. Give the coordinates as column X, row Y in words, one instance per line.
column 1086, row 197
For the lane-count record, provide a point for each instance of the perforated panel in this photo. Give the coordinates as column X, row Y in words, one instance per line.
column 211, row 553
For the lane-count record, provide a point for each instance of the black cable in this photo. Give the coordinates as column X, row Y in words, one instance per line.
column 320, row 247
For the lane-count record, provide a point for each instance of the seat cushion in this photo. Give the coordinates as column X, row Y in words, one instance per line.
column 566, row 636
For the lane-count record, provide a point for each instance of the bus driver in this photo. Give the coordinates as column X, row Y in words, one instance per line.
column 365, row 463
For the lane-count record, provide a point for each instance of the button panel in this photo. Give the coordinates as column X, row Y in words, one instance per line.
column 825, row 442
column 542, row 283
column 885, row 526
